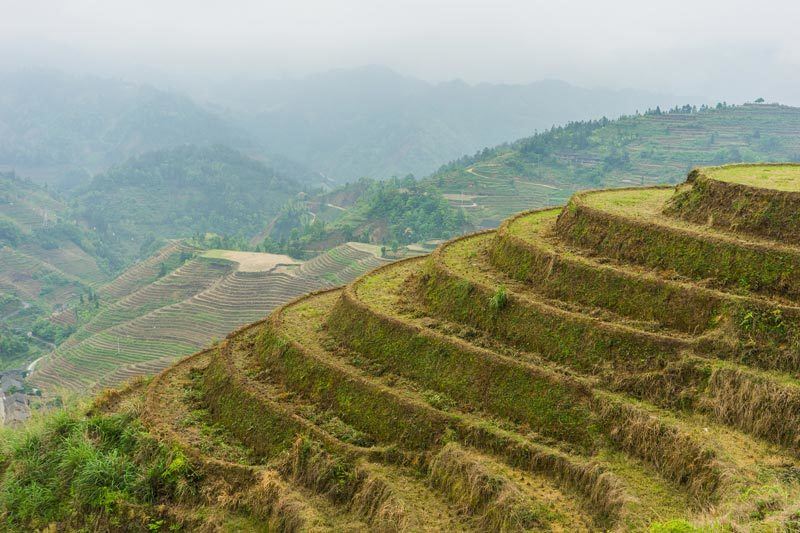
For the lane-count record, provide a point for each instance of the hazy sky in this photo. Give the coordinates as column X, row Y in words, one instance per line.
column 718, row 49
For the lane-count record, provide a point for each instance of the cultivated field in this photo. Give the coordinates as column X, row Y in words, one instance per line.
column 606, row 366
column 148, row 328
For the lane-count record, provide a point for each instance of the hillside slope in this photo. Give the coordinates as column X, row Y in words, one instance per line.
column 657, row 147
column 392, row 212
column 611, row 365
column 181, row 192
column 47, row 262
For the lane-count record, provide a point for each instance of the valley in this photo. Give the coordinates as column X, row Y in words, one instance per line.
column 399, row 267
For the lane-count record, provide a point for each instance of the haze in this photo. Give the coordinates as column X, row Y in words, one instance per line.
column 706, row 51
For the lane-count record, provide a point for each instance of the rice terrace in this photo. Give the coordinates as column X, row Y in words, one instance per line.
column 149, row 325
column 627, row 362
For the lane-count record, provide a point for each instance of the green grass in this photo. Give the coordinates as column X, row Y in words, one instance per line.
column 778, row 177
column 74, row 469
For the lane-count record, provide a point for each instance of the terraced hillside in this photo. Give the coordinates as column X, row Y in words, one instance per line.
column 609, row 365
column 643, row 149
column 149, row 270
column 200, row 301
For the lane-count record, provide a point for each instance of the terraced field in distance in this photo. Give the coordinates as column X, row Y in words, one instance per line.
column 638, row 150
column 166, row 259
column 488, row 191
column 209, row 295
column 606, row 366
column 30, row 279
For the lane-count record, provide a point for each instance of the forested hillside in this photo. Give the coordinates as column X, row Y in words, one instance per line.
column 654, row 147
column 182, row 192
column 46, row 261
column 393, row 212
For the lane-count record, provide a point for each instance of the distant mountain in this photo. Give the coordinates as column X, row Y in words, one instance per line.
column 374, row 122
column 345, row 124
column 65, row 128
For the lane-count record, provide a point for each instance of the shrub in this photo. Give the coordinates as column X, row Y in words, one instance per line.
column 499, row 299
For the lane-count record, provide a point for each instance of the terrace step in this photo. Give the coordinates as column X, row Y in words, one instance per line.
column 460, row 284
column 408, row 500
column 628, row 225
column 685, row 381
column 230, row 473
column 373, row 320
column 527, row 249
column 294, row 347
column 757, row 199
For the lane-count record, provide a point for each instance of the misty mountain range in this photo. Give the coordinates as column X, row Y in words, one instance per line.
column 342, row 124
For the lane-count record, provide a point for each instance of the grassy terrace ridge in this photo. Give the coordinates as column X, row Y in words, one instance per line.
column 607, row 410
column 759, row 200
column 604, row 366
column 629, row 225
column 527, row 249
column 778, row 176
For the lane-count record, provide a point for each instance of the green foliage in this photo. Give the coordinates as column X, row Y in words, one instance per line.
column 181, row 192
column 12, row 346
column 9, row 233
column 674, row 526
column 47, row 330
column 499, row 299
column 76, row 469
column 395, row 211
column 762, row 324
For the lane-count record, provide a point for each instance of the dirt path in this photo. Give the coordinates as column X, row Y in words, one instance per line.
column 471, row 170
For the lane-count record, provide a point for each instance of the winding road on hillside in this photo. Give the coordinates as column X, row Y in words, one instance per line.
column 471, row 170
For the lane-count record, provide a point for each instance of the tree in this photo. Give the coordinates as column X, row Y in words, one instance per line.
column 759, row 100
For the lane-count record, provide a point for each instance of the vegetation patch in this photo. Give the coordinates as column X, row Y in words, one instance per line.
column 97, row 472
